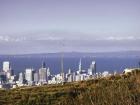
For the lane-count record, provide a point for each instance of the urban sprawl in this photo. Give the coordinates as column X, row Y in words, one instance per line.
column 43, row 76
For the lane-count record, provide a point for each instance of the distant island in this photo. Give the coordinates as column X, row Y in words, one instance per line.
column 78, row 54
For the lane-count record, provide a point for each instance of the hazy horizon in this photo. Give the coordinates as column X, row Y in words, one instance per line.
column 49, row 26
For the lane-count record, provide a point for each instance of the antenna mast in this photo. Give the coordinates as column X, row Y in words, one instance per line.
column 62, row 65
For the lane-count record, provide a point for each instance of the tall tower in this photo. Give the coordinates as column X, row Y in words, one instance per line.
column 93, row 67
column 80, row 65
column 43, row 64
column 62, row 69
column 48, row 72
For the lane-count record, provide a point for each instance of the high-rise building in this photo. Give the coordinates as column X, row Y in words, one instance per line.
column 36, row 77
column 62, row 70
column 21, row 78
column 80, row 66
column 6, row 66
column 2, row 77
column 43, row 65
column 92, row 69
column 7, row 69
column 48, row 72
column 70, row 76
column 29, row 75
column 43, row 73
column 69, row 71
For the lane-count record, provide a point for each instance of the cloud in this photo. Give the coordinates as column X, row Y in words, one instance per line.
column 4, row 38
column 39, row 42
column 52, row 38
column 119, row 38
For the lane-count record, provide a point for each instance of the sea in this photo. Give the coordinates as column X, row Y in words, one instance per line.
column 111, row 64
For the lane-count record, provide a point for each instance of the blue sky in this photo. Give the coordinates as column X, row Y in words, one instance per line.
column 39, row 26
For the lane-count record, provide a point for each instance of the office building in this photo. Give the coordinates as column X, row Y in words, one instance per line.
column 29, row 75
column 21, row 78
column 6, row 66
column 36, row 77
column 43, row 73
column 92, row 69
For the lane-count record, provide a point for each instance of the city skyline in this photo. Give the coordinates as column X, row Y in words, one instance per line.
column 82, row 26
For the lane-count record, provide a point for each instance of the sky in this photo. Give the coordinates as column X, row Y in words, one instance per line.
column 45, row 26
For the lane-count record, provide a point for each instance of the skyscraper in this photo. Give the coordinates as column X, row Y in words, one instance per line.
column 2, row 77
column 62, row 70
column 43, row 73
column 70, row 76
column 21, row 78
column 80, row 66
column 92, row 69
column 29, row 75
column 43, row 64
column 7, row 69
column 36, row 77
column 6, row 66
column 48, row 72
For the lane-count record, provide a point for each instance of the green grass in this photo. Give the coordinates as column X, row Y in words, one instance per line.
column 115, row 90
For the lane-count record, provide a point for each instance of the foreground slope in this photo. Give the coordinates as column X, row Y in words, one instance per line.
column 114, row 90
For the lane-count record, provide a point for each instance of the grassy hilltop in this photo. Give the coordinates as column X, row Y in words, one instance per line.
column 114, row 90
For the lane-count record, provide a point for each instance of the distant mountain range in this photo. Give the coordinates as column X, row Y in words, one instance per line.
column 81, row 54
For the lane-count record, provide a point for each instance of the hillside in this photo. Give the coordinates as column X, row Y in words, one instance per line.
column 77, row 54
column 114, row 90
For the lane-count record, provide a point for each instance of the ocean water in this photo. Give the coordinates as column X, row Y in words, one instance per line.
column 111, row 64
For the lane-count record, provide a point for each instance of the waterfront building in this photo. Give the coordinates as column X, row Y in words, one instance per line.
column 74, row 76
column 49, row 76
column 92, row 69
column 69, row 76
column 78, row 77
column 7, row 69
column 2, row 77
column 21, row 78
column 29, row 75
column 48, row 72
column 59, row 78
column 105, row 74
column 36, row 77
column 6, row 66
column 43, row 74
column 80, row 65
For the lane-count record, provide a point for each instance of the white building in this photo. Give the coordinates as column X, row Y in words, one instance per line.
column 21, row 78
column 6, row 66
column 78, row 77
column 69, row 76
column 42, row 75
column 80, row 67
column 36, row 77
column 105, row 74
column 7, row 69
column 48, row 72
column 92, row 69
column 29, row 75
